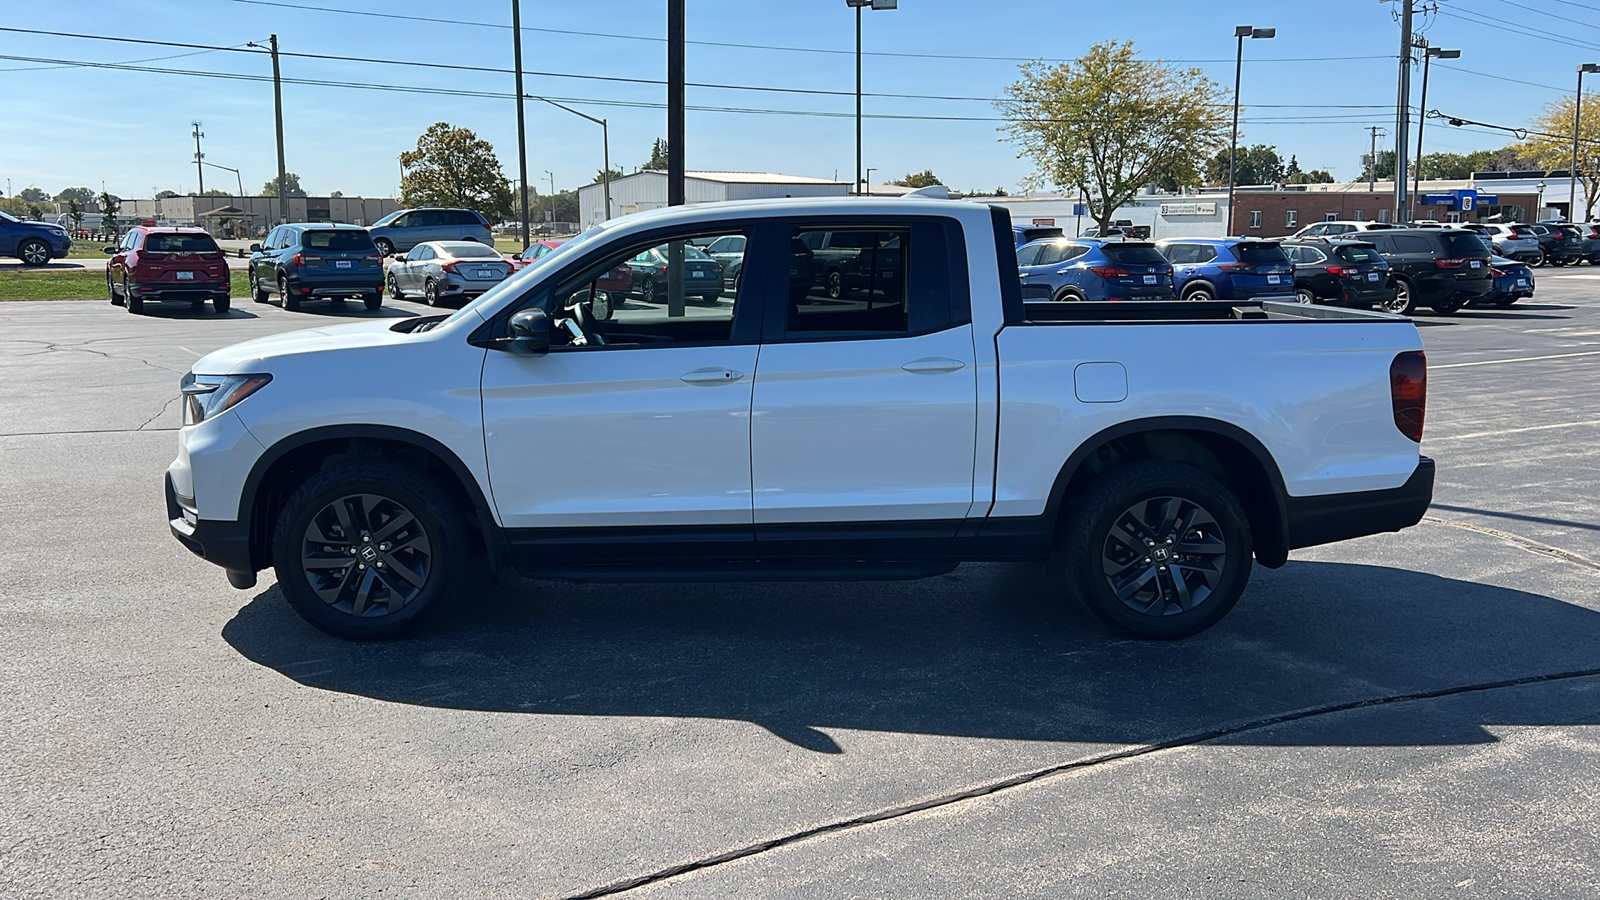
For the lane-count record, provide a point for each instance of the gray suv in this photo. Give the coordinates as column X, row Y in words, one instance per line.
column 400, row 231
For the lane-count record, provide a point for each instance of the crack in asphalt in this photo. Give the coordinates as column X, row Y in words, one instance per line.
column 1518, row 540
column 1015, row 781
column 58, row 347
column 159, row 413
column 139, row 430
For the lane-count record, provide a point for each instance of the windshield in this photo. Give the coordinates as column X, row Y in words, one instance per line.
column 8, row 217
column 519, row 281
column 387, row 219
column 1134, row 254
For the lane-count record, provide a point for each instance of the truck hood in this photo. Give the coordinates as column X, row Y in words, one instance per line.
column 259, row 355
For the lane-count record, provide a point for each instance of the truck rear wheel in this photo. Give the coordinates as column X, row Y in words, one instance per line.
column 1158, row 549
column 364, row 549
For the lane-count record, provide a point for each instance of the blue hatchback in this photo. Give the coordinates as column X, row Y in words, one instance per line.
column 1229, row 269
column 32, row 242
column 1067, row 269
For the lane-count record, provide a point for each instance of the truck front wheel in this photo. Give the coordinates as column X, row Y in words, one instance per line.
column 1158, row 549
column 364, row 549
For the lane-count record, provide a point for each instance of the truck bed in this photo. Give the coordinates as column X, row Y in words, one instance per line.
column 1103, row 312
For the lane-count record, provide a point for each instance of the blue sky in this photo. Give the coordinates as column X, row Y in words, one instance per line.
column 131, row 129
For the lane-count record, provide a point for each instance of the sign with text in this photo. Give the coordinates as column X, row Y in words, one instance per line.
column 1169, row 210
column 1044, row 221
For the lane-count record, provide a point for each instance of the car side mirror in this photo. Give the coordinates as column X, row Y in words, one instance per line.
column 108, row 250
column 255, row 248
column 400, row 257
column 530, row 333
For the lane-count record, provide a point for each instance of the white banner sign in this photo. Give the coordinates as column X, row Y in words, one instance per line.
column 1188, row 209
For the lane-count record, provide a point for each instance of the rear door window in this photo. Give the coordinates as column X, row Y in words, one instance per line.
column 1178, row 253
column 1412, row 244
column 1464, row 245
column 870, row 281
column 337, row 240
column 1134, row 254
column 1050, row 254
column 1257, row 254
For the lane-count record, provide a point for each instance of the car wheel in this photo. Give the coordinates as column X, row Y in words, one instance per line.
column 290, row 301
column 394, row 288
column 1304, row 295
column 1067, row 295
column 257, row 292
column 221, row 305
column 1443, row 307
column 135, row 304
column 1504, row 301
column 1199, row 293
column 835, row 285
column 1158, row 549
column 711, row 298
column 33, row 252
column 1537, row 259
column 430, row 292
column 1401, row 303
column 647, row 289
column 373, row 300
column 364, row 549
column 385, row 246
column 111, row 291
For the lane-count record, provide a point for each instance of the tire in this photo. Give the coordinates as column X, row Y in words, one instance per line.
column 34, row 252
column 1447, row 307
column 257, row 292
column 1067, row 295
column 394, row 288
column 290, row 301
column 1537, row 260
column 711, row 298
column 1505, row 301
column 372, row 301
column 332, row 513
column 647, row 289
column 835, row 285
column 135, row 304
column 1199, row 293
column 430, row 292
column 221, row 305
column 1402, row 303
column 1209, row 534
column 111, row 291
column 1304, row 295
column 385, row 246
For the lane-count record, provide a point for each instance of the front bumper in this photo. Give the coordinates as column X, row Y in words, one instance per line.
column 226, row 544
column 1339, row 517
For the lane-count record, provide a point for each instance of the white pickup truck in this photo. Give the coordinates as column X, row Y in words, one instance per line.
column 922, row 418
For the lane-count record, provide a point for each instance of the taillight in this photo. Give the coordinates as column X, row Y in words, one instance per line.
column 296, row 260
column 1498, row 273
column 1237, row 267
column 451, row 268
column 1342, row 271
column 661, row 270
column 1451, row 263
column 1408, row 389
column 1110, row 271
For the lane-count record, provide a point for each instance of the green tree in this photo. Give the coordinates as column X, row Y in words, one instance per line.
column 1108, row 123
column 1385, row 166
column 108, row 212
column 1315, row 176
column 75, row 213
column 165, row 195
column 658, row 157
column 922, row 179
column 33, row 195
column 1256, row 164
column 454, row 167
column 1556, row 152
column 291, row 183
column 80, row 194
column 600, row 175
column 36, row 211
column 216, row 193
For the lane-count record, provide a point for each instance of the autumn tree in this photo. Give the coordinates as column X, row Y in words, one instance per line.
column 291, row 183
column 1556, row 152
column 922, row 179
column 454, row 167
column 1108, row 123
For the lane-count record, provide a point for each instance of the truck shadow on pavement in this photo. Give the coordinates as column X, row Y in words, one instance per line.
column 989, row 651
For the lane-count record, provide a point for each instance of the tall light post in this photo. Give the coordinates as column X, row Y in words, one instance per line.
column 552, row 200
column 870, row 170
column 1577, row 117
column 858, row 5
column 1540, row 187
column 1428, row 54
column 1240, row 32
column 236, row 175
column 605, row 141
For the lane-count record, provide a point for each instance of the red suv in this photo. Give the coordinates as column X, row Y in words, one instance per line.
column 173, row 264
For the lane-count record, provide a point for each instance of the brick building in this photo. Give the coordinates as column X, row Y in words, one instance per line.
column 1276, row 213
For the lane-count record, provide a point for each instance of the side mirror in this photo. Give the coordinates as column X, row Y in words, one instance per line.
column 255, row 248
column 109, row 250
column 530, row 333
column 399, row 257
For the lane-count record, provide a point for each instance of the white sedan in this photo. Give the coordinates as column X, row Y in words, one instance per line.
column 446, row 271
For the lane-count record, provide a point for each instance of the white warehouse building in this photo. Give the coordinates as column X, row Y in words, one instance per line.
column 648, row 190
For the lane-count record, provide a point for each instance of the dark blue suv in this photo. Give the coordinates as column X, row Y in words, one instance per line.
column 1068, row 269
column 35, row 243
column 312, row 261
column 1229, row 269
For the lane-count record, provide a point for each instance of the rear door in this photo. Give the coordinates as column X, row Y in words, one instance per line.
column 863, row 420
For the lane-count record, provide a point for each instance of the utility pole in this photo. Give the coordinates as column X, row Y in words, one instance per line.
column 1402, row 122
column 552, row 177
column 199, row 159
column 277, row 108
column 1428, row 55
column 522, row 134
column 1577, row 118
column 1372, row 160
column 675, row 138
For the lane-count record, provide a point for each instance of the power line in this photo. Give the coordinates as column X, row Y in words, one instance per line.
column 1487, row 22
column 1501, row 77
column 1552, row 15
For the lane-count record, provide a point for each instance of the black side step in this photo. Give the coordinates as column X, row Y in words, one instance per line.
column 743, row 570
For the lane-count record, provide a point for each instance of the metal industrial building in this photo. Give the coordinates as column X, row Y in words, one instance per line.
column 648, row 190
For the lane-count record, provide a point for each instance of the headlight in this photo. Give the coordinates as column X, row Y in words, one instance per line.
column 205, row 396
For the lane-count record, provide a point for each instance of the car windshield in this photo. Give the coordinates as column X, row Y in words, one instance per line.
column 1134, row 254
column 519, row 281
column 338, row 240
column 389, row 218
column 8, row 217
column 1464, row 244
column 1358, row 254
column 1256, row 254
column 465, row 250
column 180, row 243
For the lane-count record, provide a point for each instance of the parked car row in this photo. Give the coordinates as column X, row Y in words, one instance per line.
column 1394, row 269
column 1553, row 243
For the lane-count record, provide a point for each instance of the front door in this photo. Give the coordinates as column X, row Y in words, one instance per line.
column 633, row 428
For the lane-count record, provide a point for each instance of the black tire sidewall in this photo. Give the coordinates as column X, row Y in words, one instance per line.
column 1089, row 520
column 418, row 493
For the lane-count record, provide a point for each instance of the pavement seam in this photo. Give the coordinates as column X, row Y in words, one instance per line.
column 1015, row 781
column 1520, row 541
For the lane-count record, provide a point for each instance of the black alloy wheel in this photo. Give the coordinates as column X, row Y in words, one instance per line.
column 133, row 302
column 290, row 301
column 835, row 285
column 257, row 292
column 647, row 289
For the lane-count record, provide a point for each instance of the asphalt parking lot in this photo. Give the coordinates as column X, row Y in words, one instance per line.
column 1406, row 715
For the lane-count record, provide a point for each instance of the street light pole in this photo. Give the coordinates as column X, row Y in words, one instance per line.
column 1577, row 117
column 277, row 108
column 552, row 200
column 522, row 133
column 1428, row 54
column 1402, row 121
column 858, row 5
column 235, row 172
column 605, row 139
column 1240, row 32
column 868, row 183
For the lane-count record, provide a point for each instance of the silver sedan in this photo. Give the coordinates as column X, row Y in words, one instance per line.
column 446, row 271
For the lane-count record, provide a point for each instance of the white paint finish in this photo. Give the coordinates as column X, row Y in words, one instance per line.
column 1100, row 382
column 225, row 450
column 1315, row 395
column 627, row 436
column 842, row 432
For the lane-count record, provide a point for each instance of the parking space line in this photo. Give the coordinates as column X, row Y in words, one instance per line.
column 1479, row 434
column 1496, row 362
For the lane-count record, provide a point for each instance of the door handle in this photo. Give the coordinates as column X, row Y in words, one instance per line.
column 933, row 365
column 711, row 376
